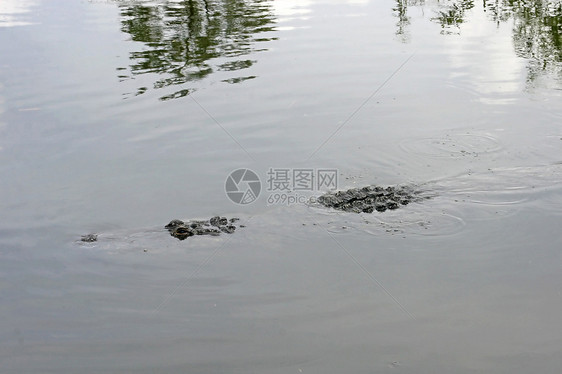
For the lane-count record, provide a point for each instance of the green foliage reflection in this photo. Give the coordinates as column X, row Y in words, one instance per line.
column 537, row 27
column 451, row 15
column 188, row 40
column 536, row 33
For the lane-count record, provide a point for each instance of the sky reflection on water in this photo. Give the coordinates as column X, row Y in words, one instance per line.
column 15, row 12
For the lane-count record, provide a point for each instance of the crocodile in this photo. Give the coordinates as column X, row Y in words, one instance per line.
column 214, row 226
column 370, row 198
column 355, row 200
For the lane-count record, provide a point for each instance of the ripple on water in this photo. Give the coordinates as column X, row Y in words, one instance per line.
column 429, row 222
column 153, row 240
column 423, row 219
column 456, row 201
column 504, row 186
column 457, row 145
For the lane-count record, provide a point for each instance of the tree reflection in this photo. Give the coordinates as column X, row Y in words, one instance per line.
column 188, row 40
column 451, row 15
column 400, row 11
column 498, row 10
column 537, row 27
column 536, row 35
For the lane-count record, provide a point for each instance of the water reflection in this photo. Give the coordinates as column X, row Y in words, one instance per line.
column 451, row 15
column 536, row 36
column 2, row 109
column 14, row 12
column 186, row 41
column 537, row 27
column 401, row 12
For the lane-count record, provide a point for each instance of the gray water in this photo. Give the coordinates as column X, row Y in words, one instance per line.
column 118, row 116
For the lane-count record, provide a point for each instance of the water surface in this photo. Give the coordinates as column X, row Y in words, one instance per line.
column 118, row 116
